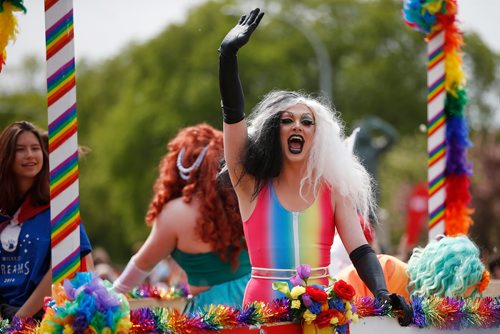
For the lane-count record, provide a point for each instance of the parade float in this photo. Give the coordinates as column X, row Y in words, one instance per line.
column 83, row 303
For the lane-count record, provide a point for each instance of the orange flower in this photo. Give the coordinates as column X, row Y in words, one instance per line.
column 342, row 319
column 485, row 280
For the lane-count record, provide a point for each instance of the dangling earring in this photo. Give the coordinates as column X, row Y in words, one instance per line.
column 185, row 171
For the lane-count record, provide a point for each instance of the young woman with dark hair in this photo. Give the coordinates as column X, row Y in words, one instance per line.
column 25, row 252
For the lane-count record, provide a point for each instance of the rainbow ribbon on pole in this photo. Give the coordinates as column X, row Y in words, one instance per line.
column 436, row 133
column 63, row 143
column 447, row 129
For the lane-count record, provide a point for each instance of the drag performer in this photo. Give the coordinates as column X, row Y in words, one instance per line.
column 195, row 219
column 296, row 182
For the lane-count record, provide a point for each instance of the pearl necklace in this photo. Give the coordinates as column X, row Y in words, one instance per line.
column 184, row 172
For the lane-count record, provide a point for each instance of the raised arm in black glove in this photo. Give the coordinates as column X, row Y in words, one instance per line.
column 369, row 270
column 229, row 82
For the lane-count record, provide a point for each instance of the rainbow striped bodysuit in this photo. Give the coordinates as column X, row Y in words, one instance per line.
column 279, row 240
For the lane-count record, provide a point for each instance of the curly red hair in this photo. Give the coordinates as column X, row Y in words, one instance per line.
column 219, row 221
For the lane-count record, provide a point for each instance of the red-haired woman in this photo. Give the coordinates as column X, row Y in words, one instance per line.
column 195, row 219
column 25, row 251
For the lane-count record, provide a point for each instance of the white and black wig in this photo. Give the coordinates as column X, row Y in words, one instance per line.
column 330, row 159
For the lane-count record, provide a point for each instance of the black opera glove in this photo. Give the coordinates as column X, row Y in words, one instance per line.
column 240, row 34
column 399, row 306
column 231, row 91
column 369, row 270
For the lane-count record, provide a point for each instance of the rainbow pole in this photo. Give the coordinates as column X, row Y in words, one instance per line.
column 63, row 143
column 447, row 131
column 436, row 134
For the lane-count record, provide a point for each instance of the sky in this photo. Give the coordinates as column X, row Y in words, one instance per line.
column 104, row 27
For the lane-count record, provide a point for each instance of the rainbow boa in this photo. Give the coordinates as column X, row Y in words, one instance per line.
column 8, row 25
column 429, row 17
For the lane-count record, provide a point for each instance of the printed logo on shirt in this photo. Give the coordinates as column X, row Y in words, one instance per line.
column 10, row 237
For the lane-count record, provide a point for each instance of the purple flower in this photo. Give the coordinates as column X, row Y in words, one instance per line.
column 69, row 290
column 306, row 299
column 304, row 271
column 80, row 323
column 296, row 280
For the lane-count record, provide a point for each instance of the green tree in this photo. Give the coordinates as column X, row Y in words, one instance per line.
column 29, row 105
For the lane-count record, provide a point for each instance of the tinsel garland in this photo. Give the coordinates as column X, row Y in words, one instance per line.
column 429, row 17
column 433, row 312
column 8, row 25
column 151, row 291
column 442, row 312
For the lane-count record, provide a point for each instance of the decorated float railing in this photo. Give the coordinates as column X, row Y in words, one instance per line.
column 87, row 304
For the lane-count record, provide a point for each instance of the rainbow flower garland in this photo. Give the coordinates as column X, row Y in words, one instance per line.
column 8, row 25
column 431, row 17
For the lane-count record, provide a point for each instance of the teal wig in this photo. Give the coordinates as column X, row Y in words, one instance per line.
column 445, row 268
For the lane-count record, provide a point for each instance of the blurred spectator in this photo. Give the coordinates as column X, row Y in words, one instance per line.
column 494, row 267
column 339, row 258
column 416, row 218
column 374, row 139
column 167, row 273
column 102, row 263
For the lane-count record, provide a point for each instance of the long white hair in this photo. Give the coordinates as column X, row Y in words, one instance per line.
column 331, row 158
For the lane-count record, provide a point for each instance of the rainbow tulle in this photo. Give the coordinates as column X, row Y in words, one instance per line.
column 86, row 304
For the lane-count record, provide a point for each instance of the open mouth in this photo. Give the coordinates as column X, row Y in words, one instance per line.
column 295, row 144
